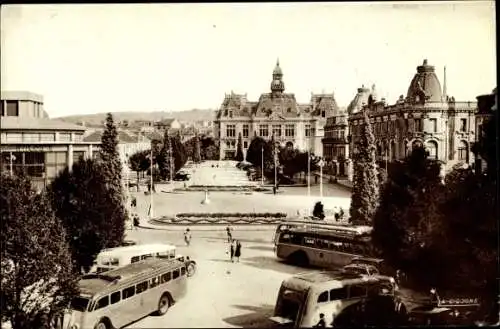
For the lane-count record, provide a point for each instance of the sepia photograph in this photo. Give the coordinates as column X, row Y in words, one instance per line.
column 249, row 165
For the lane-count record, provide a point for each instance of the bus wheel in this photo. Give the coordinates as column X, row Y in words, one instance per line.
column 163, row 304
column 191, row 269
column 300, row 258
column 103, row 324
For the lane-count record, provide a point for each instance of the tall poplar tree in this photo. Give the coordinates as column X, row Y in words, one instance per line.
column 197, row 149
column 365, row 194
column 239, row 150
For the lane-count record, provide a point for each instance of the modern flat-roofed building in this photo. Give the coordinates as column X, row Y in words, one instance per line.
column 32, row 142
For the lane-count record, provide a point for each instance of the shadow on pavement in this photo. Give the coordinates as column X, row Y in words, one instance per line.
column 271, row 263
column 235, row 236
column 257, row 318
column 220, row 260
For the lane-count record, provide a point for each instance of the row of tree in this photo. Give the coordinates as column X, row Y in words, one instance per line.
column 289, row 161
column 440, row 232
column 170, row 155
column 48, row 237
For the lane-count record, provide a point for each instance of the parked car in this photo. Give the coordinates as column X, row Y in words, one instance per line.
column 181, row 177
column 451, row 311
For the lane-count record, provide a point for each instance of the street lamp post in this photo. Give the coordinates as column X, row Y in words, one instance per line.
column 12, row 158
column 262, row 166
column 151, row 182
column 321, row 178
column 308, row 172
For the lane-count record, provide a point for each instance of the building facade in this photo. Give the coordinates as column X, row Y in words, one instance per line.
column 276, row 113
column 33, row 143
column 336, row 144
column 427, row 116
column 486, row 104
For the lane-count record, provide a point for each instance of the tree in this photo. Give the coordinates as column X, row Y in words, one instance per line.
column 139, row 162
column 239, row 149
column 365, row 193
column 197, row 149
column 109, row 154
column 165, row 157
column 87, row 205
column 36, row 271
column 179, row 153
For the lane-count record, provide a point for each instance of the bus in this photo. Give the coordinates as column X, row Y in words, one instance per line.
column 112, row 258
column 340, row 297
column 118, row 297
column 323, row 245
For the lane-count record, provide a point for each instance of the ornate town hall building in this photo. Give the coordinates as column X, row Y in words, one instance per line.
column 276, row 113
column 426, row 116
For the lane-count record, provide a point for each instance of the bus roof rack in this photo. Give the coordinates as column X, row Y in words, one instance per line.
column 101, row 276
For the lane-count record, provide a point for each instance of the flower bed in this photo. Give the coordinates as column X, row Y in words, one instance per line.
column 231, row 215
column 223, row 188
column 223, row 218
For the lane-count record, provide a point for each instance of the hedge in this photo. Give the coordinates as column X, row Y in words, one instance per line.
column 237, row 214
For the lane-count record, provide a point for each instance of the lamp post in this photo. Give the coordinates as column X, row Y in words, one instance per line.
column 262, row 166
column 321, row 178
column 308, row 172
column 151, row 182
column 12, row 158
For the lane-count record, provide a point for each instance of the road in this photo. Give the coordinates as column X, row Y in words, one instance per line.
column 222, row 294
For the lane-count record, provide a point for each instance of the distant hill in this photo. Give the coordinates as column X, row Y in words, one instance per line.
column 95, row 119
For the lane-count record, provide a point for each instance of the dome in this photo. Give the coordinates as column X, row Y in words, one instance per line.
column 359, row 100
column 424, row 86
column 277, row 85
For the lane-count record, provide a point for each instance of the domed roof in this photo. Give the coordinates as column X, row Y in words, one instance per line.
column 277, row 85
column 424, row 86
column 359, row 100
column 277, row 68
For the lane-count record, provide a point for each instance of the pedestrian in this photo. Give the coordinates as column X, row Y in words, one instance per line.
column 435, row 300
column 229, row 235
column 187, row 236
column 237, row 251
column 321, row 323
column 231, row 252
column 136, row 221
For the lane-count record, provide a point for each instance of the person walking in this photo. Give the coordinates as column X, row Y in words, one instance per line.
column 231, row 251
column 229, row 234
column 237, row 251
column 321, row 323
column 187, row 236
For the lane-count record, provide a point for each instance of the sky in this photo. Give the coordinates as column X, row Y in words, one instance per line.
column 171, row 57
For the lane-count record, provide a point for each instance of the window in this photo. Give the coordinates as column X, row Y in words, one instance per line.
column 154, row 282
column 357, row 291
column 176, row 274
column 462, row 151
column 338, row 294
column 433, row 124
column 183, row 271
column 245, row 144
column 245, row 130
column 135, row 259
column 2, row 108
column 290, row 130
column 12, row 108
column 65, row 137
column 263, row 130
column 14, row 138
column 115, row 297
column 143, row 286
column 308, row 130
column 103, row 302
column 463, row 125
column 78, row 155
column 231, row 131
column 47, row 137
column 432, row 150
column 128, row 292
column 418, row 125
column 323, row 297
column 31, row 138
column 277, row 130
column 166, row 277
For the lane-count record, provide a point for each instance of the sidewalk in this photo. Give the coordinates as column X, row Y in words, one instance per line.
column 149, row 224
column 344, row 182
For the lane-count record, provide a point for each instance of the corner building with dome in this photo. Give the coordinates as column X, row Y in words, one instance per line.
column 275, row 114
column 426, row 116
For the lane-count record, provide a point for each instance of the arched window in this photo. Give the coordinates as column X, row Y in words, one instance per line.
column 432, row 149
column 463, row 151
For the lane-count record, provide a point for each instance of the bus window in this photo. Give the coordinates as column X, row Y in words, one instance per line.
column 166, row 277
column 128, row 292
column 114, row 262
column 103, row 302
column 357, row 291
column 115, row 297
column 183, row 270
column 176, row 274
column 296, row 239
column 154, row 282
column 143, row 286
column 338, row 294
column 135, row 259
column 323, row 297
column 284, row 237
column 309, row 241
